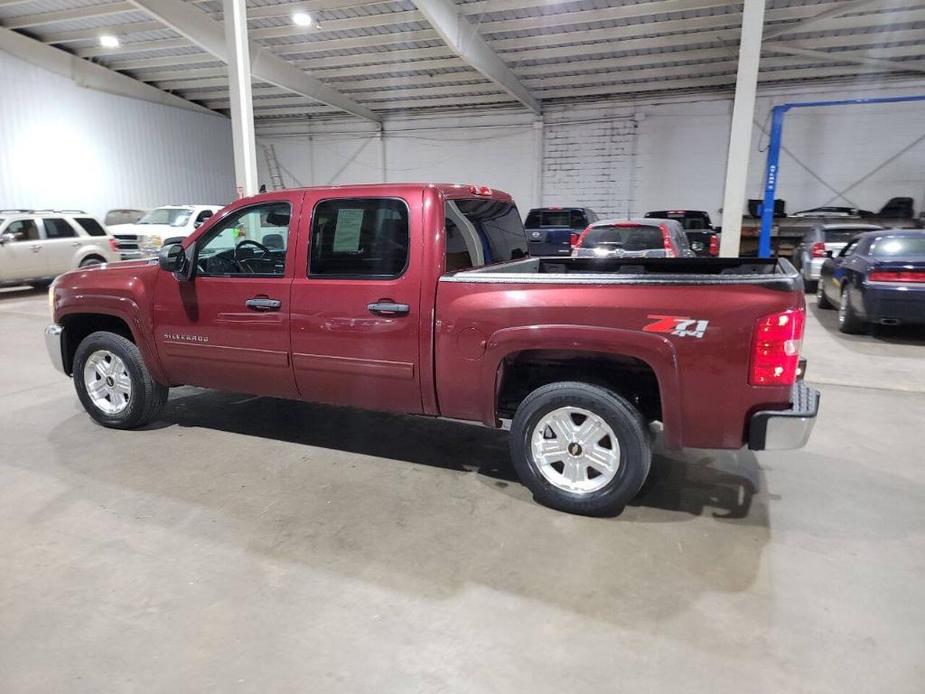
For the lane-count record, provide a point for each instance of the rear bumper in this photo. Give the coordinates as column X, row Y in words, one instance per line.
column 776, row 430
column 889, row 302
column 54, row 335
column 813, row 269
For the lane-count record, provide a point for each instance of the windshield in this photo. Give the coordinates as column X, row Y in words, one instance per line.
column 172, row 216
column 629, row 238
column 890, row 246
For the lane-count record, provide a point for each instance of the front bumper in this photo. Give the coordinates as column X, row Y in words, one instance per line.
column 54, row 337
column 777, row 430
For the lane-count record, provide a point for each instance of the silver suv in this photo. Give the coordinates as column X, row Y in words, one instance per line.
column 38, row 245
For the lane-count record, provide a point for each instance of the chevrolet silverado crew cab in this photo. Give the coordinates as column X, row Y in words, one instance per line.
column 144, row 238
column 421, row 299
column 38, row 245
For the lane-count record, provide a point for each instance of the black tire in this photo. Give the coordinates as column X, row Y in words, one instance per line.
column 811, row 286
column 628, row 426
column 92, row 260
column 147, row 396
column 822, row 301
column 848, row 321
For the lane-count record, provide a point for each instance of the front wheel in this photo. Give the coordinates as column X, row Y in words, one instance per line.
column 113, row 383
column 580, row 448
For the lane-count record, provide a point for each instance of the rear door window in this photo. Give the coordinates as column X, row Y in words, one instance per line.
column 58, row 228
column 91, row 226
column 365, row 238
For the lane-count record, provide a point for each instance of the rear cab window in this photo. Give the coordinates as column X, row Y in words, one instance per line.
column 838, row 235
column 482, row 232
column 638, row 237
column 556, row 217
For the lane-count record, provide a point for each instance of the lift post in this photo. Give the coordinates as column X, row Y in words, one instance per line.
column 772, row 168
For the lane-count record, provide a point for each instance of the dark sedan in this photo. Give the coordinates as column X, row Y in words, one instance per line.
column 878, row 277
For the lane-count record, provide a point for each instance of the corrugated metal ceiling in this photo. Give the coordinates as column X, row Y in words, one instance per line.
column 387, row 57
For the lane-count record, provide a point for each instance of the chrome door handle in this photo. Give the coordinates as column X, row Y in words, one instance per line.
column 389, row 308
column 36, row 248
column 75, row 244
column 263, row 304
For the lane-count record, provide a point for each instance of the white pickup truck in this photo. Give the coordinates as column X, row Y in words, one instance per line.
column 144, row 238
column 38, row 245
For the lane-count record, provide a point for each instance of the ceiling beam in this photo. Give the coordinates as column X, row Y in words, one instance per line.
column 31, row 20
column 209, row 35
column 466, row 42
column 809, row 23
column 847, row 57
column 86, row 74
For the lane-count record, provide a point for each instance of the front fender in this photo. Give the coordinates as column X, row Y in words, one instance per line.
column 654, row 350
column 124, row 302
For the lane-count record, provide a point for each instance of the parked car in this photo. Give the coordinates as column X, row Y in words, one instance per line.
column 701, row 236
column 38, row 245
column 809, row 256
column 878, row 277
column 643, row 238
column 420, row 299
column 144, row 238
column 554, row 230
column 123, row 216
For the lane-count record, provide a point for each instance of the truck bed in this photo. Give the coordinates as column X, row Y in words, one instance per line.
column 770, row 272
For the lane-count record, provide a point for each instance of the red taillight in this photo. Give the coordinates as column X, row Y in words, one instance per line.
column 576, row 239
column 818, row 250
column 113, row 244
column 573, row 239
column 714, row 245
column 776, row 348
column 896, row 276
column 666, row 241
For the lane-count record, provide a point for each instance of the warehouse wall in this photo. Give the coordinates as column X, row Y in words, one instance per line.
column 63, row 146
column 621, row 158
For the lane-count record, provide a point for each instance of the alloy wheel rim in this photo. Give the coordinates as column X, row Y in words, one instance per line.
column 575, row 450
column 843, row 307
column 108, row 382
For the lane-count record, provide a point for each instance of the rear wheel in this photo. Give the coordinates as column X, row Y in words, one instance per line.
column 580, row 448
column 113, row 384
column 848, row 321
column 822, row 300
column 92, row 260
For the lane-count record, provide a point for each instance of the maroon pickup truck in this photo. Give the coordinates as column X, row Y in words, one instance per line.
column 421, row 299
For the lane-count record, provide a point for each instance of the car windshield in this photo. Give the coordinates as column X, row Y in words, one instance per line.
column 171, row 216
column 839, row 235
column 889, row 246
column 629, row 238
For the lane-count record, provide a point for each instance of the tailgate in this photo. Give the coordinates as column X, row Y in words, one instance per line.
column 550, row 241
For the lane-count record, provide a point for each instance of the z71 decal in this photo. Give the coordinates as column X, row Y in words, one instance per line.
column 680, row 326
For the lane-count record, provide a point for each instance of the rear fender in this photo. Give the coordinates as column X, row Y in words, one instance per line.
column 654, row 350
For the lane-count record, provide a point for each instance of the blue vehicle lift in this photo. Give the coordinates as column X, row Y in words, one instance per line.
column 772, row 170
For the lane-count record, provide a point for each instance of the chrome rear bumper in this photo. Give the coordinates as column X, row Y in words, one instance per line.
column 54, row 334
column 777, row 430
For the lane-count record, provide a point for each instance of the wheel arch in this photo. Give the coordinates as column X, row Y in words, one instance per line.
column 621, row 360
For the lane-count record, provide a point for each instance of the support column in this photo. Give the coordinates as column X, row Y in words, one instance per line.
column 539, row 145
column 242, row 106
column 740, row 134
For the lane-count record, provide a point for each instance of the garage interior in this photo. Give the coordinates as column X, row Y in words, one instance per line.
column 259, row 544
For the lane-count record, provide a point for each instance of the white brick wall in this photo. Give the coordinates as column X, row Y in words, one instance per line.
column 589, row 164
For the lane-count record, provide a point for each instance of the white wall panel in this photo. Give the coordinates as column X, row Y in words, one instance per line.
column 65, row 146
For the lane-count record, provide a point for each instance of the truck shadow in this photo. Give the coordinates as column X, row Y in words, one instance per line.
column 699, row 526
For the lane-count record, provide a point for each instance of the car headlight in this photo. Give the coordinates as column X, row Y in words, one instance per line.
column 150, row 242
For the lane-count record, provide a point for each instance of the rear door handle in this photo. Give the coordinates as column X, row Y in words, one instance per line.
column 389, row 308
column 36, row 248
column 75, row 244
column 263, row 304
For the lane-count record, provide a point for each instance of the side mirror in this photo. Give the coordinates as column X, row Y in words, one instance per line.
column 829, row 254
column 205, row 218
column 171, row 258
column 9, row 237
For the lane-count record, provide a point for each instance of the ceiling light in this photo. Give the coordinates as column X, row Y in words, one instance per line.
column 109, row 41
column 302, row 19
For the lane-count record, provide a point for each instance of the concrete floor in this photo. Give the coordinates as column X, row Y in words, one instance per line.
column 256, row 545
